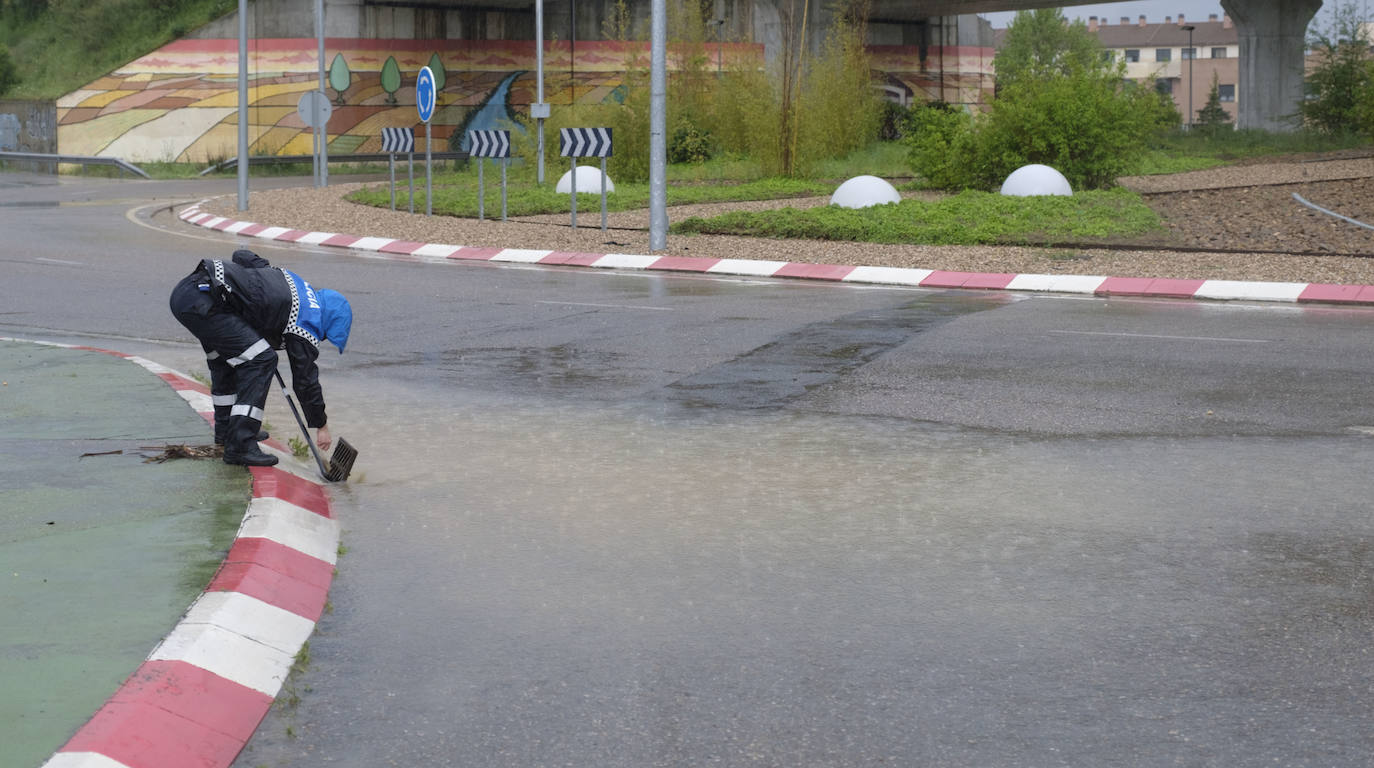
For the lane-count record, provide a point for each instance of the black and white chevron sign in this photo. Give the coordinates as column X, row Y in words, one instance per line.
column 584, row 142
column 489, row 143
column 398, row 139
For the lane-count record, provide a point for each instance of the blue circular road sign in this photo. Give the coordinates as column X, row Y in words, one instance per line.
column 424, row 94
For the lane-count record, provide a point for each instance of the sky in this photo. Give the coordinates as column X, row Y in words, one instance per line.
column 1154, row 10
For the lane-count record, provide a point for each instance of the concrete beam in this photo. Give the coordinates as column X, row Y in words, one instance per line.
column 1272, row 34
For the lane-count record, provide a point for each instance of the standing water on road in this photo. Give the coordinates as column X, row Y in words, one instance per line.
column 605, row 587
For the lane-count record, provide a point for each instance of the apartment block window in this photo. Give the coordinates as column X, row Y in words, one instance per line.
column 1218, row 53
column 1164, row 85
column 1132, row 55
column 1227, row 92
column 1189, row 53
column 1163, row 54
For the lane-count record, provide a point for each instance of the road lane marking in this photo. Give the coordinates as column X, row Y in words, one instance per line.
column 60, row 261
column 1162, row 336
column 605, row 306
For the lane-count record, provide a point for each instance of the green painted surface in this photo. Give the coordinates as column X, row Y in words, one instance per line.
column 101, row 555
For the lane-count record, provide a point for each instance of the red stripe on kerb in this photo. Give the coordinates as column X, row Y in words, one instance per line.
column 943, row 279
column 990, row 280
column 572, row 258
column 340, row 240
column 291, row 235
column 814, row 271
column 273, row 483
column 227, row 223
column 283, row 559
column 271, row 587
column 1173, row 288
column 1125, row 286
column 143, row 735
column 197, row 695
column 103, row 351
column 252, row 229
column 180, row 383
column 684, row 263
column 1338, row 294
column 406, row 247
column 477, row 254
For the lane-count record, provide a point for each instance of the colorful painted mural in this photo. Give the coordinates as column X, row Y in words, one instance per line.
column 179, row 103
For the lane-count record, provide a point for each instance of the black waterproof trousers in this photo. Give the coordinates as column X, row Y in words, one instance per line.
column 241, row 363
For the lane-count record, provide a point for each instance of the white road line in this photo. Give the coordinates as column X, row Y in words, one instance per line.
column 60, row 261
column 605, row 306
column 1161, row 336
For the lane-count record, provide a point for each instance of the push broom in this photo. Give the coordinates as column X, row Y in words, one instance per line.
column 340, row 462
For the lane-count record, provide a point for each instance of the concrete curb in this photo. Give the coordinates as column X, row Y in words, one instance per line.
column 201, row 693
column 1222, row 290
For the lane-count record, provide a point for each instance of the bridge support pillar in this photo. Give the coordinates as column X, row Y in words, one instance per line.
column 1272, row 34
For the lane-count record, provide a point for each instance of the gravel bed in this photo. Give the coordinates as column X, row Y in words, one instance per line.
column 1246, row 210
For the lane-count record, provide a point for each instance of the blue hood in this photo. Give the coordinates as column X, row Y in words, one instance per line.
column 337, row 317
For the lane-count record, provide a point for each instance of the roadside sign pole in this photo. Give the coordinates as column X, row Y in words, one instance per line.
column 410, row 165
column 391, row 167
column 492, row 144
column 586, row 142
column 425, row 97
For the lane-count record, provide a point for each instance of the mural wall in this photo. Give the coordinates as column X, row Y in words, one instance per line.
column 179, row 103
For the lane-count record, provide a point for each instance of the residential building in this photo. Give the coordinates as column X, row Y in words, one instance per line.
column 1181, row 56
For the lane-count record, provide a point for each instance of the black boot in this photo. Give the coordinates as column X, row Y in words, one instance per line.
column 219, row 436
column 252, row 456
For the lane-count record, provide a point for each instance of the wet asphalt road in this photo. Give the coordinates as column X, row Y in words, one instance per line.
column 628, row 520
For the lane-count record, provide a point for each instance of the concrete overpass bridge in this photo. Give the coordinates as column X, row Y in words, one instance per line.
column 1271, row 32
column 1272, row 35
column 174, row 103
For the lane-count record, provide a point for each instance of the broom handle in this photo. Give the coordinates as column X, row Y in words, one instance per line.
column 297, row 414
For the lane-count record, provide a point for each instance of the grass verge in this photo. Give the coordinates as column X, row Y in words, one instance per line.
column 968, row 218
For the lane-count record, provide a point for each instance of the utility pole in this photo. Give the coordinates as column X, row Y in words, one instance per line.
column 243, row 105
column 658, row 145
column 1192, row 54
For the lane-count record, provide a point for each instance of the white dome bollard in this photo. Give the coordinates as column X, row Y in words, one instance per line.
column 588, row 181
column 865, row 191
column 1035, row 179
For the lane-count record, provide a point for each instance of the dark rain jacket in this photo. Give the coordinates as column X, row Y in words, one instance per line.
column 271, row 300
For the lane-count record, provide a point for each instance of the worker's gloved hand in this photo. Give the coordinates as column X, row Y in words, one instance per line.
column 323, row 439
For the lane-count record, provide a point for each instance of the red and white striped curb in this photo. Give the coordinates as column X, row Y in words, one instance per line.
column 201, row 693
column 1236, row 290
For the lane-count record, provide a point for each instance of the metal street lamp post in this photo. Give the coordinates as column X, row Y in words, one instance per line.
column 1192, row 54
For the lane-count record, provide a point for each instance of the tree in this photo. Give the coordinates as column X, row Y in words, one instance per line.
column 1061, row 102
column 1212, row 118
column 391, row 78
column 1042, row 43
column 339, row 77
column 1339, row 86
column 9, row 75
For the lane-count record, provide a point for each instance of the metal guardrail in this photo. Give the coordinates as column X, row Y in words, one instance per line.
column 37, row 157
column 377, row 157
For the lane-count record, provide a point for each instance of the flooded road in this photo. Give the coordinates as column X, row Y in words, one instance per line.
column 573, row 585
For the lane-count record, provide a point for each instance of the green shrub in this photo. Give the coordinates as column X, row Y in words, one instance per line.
column 1087, row 127
column 940, row 142
column 689, row 145
column 9, row 76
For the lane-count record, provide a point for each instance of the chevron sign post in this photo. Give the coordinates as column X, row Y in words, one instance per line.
column 586, row 142
column 496, row 145
column 400, row 140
